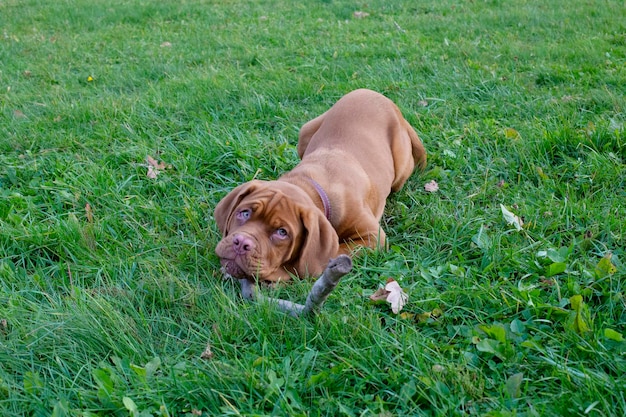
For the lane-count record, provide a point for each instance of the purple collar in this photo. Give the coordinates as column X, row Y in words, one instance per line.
column 323, row 197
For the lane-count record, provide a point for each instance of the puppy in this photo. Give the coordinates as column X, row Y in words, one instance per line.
column 352, row 157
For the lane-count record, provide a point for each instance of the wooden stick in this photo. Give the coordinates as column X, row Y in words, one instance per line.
column 324, row 285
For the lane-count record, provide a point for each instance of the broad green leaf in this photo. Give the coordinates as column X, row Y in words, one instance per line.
column 32, row 382
column 407, row 391
column 495, row 331
column 613, row 335
column 457, row 271
column 140, row 371
column 482, row 239
column 152, row 366
column 558, row 255
column 513, row 385
column 103, row 379
column 488, row 346
column 517, row 326
column 555, row 268
column 130, row 405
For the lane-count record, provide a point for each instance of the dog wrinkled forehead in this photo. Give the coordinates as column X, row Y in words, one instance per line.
column 269, row 202
column 272, row 206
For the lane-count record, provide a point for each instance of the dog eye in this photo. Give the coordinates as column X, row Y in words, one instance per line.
column 244, row 214
column 282, row 232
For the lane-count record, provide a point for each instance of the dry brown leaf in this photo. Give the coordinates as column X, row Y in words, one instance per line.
column 397, row 297
column 152, row 172
column 380, row 296
column 89, row 213
column 155, row 166
column 511, row 218
column 392, row 294
column 431, row 186
column 152, row 162
column 18, row 113
column 207, row 354
column 360, row 15
column 166, row 45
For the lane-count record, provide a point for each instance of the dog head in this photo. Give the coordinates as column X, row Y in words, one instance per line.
column 271, row 229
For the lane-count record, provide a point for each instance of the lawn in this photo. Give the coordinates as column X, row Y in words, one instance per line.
column 110, row 291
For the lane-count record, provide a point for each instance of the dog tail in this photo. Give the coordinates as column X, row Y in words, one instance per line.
column 417, row 149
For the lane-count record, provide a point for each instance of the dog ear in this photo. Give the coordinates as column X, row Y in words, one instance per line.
column 227, row 206
column 320, row 244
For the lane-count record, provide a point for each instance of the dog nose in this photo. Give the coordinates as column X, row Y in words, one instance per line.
column 242, row 244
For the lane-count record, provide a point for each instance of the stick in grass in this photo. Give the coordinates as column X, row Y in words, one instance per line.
column 324, row 285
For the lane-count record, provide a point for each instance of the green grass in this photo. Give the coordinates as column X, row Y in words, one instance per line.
column 106, row 311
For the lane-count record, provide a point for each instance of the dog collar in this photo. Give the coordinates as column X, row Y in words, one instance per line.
column 323, row 197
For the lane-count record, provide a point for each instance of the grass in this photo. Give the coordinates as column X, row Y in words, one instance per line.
column 109, row 288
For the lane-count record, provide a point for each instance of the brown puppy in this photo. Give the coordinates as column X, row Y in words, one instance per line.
column 353, row 156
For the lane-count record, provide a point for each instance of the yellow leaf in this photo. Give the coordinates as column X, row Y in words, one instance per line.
column 541, row 174
column 511, row 133
column 605, row 266
column 580, row 315
column 407, row 316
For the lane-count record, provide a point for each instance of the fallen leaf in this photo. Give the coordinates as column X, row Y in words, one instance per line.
column 511, row 133
column 18, row 113
column 89, row 213
column 380, row 296
column 422, row 103
column 152, row 162
column 511, row 218
column 207, row 354
column 580, row 315
column 605, row 266
column 152, row 172
column 396, row 297
column 155, row 166
column 431, row 186
column 166, row 45
column 4, row 325
column 360, row 14
column 393, row 294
